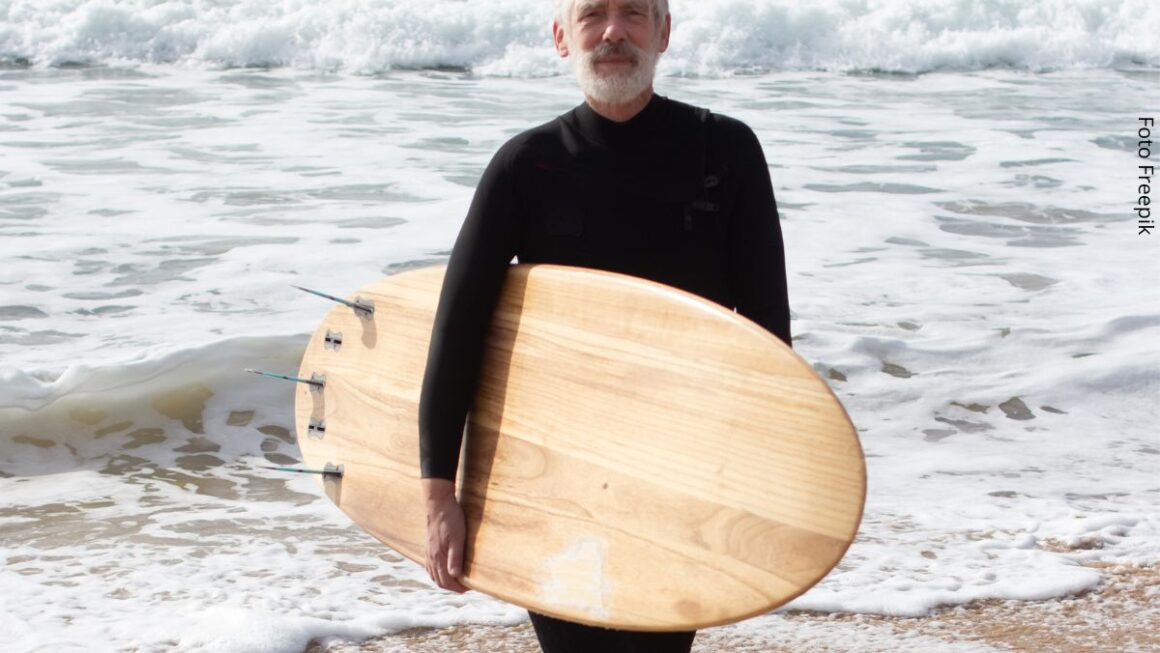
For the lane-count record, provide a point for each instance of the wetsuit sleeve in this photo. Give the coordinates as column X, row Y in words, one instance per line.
column 484, row 249
column 757, row 272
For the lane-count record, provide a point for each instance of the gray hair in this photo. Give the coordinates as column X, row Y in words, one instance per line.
column 660, row 9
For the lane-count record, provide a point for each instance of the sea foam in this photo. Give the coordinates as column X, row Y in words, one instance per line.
column 962, row 263
column 509, row 38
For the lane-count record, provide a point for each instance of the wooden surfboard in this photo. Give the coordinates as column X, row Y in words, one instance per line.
column 638, row 457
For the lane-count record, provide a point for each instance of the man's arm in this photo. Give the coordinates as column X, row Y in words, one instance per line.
column 475, row 274
column 757, row 255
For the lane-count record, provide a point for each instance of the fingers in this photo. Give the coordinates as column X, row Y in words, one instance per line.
column 455, row 559
column 445, row 543
column 452, row 583
column 433, row 564
column 450, row 564
column 455, row 566
column 445, row 567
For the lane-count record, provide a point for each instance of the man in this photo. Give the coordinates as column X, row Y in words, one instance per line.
column 628, row 182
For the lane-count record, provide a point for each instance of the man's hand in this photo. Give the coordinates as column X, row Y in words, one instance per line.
column 446, row 534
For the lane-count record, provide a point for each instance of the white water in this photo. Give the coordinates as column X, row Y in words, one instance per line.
column 508, row 38
column 963, row 261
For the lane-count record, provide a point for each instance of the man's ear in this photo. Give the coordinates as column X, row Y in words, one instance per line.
column 665, row 30
column 561, row 39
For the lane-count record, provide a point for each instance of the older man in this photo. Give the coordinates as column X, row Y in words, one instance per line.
column 628, row 182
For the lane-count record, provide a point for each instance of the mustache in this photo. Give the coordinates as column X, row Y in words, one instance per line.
column 618, row 49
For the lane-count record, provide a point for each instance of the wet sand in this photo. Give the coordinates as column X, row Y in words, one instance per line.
column 1120, row 616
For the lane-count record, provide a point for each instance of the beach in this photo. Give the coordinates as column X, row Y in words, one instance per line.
column 1120, row 615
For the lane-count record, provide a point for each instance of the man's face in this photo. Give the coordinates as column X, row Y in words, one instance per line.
column 614, row 45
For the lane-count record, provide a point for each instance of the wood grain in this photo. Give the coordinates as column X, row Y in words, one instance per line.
column 637, row 457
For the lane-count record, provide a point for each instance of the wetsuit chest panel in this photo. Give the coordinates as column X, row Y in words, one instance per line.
column 631, row 219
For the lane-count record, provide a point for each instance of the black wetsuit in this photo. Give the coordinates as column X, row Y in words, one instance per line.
column 676, row 195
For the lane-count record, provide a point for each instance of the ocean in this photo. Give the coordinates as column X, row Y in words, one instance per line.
column 956, row 181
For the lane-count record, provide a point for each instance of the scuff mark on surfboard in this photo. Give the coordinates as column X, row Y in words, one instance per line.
column 575, row 578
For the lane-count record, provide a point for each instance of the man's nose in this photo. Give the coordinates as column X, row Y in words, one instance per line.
column 615, row 31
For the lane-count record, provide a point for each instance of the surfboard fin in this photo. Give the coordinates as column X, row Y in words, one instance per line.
column 362, row 307
column 316, row 381
column 328, row 470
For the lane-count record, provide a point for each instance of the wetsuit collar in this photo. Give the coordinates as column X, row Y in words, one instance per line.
column 609, row 133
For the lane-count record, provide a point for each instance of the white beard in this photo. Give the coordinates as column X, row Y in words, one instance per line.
column 615, row 87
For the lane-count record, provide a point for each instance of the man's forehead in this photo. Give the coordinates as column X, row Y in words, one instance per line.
column 584, row 5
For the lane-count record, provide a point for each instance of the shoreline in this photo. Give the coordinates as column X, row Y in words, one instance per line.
column 1118, row 616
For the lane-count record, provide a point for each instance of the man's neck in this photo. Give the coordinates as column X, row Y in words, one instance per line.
column 622, row 112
